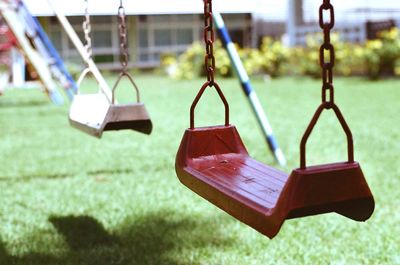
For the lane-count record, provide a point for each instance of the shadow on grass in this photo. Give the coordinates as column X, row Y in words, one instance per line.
column 33, row 177
column 81, row 232
column 95, row 173
column 23, row 104
column 158, row 238
column 110, row 172
column 31, row 258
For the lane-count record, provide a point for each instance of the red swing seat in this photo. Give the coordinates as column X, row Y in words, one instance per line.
column 214, row 163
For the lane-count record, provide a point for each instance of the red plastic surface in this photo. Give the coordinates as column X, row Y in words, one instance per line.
column 214, row 163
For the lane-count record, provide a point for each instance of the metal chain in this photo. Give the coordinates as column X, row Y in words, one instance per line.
column 123, row 37
column 327, row 67
column 209, row 38
column 87, row 29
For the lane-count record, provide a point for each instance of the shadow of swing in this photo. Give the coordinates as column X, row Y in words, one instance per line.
column 28, row 178
column 82, row 232
column 9, row 104
column 32, row 258
column 55, row 176
column 155, row 238
column 110, row 172
column 4, row 257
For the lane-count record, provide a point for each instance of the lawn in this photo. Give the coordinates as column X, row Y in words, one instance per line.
column 67, row 198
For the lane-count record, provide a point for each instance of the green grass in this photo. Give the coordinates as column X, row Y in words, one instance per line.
column 67, row 198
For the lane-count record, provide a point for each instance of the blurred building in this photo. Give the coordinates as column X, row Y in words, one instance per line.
column 356, row 20
column 156, row 27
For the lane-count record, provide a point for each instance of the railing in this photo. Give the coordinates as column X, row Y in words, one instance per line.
column 355, row 33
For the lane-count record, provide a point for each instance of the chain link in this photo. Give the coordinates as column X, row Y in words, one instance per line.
column 327, row 47
column 123, row 37
column 209, row 38
column 87, row 29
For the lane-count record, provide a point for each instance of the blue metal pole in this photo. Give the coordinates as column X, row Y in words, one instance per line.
column 56, row 97
column 248, row 89
column 51, row 51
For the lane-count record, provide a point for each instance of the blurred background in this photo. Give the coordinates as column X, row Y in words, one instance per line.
column 157, row 29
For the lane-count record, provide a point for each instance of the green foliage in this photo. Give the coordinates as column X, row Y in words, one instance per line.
column 168, row 64
column 270, row 59
column 374, row 58
column 381, row 55
column 348, row 57
column 273, row 57
column 191, row 63
column 252, row 60
column 223, row 62
column 305, row 60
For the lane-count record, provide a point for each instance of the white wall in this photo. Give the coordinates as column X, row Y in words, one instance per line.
column 345, row 9
column 134, row 7
column 276, row 10
column 271, row 10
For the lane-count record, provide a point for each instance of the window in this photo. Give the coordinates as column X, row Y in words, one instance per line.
column 184, row 36
column 162, row 34
column 239, row 26
column 81, row 36
column 56, row 37
column 102, row 39
column 162, row 18
column 237, row 36
column 76, row 21
column 144, row 57
column 105, row 42
column 143, row 38
column 163, row 37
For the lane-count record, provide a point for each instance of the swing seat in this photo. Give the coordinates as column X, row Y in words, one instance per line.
column 128, row 116
column 132, row 116
column 214, row 163
column 339, row 187
column 87, row 113
column 93, row 114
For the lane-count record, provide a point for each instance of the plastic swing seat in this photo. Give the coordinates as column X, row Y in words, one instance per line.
column 94, row 113
column 214, row 163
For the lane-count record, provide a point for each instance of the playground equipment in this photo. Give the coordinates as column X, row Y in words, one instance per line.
column 15, row 23
column 8, row 39
column 7, row 42
column 37, row 49
column 248, row 89
column 46, row 48
column 214, row 163
column 99, row 112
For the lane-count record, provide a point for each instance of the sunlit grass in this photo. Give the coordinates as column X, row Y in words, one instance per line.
column 67, row 198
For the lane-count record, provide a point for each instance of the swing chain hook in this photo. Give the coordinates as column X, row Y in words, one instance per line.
column 209, row 38
column 87, row 29
column 327, row 67
column 123, row 37
column 209, row 64
column 327, row 85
